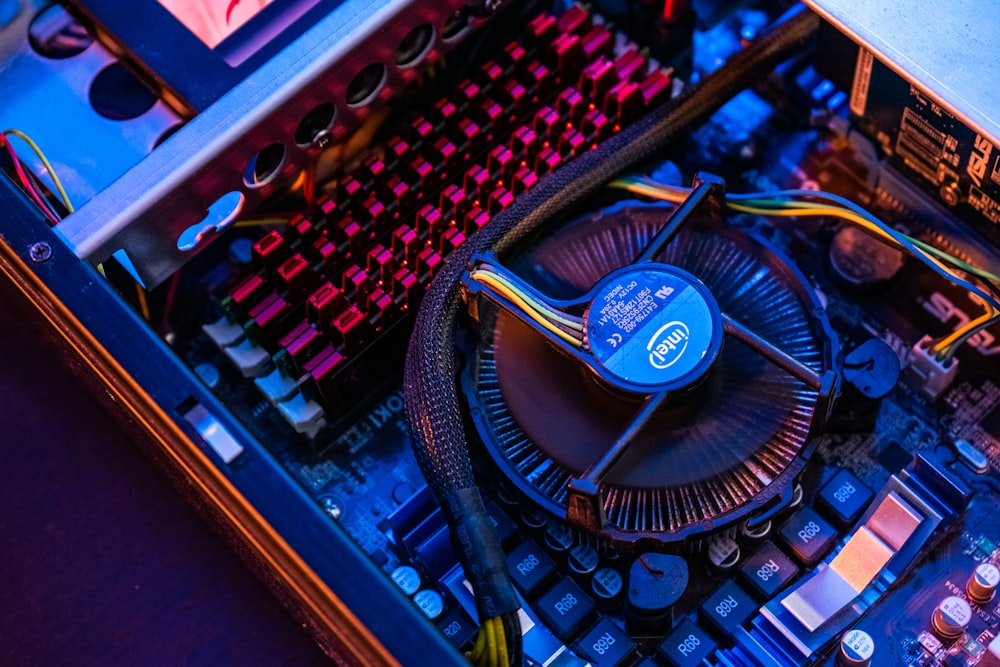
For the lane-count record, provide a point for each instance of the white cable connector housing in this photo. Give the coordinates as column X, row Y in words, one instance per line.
column 933, row 376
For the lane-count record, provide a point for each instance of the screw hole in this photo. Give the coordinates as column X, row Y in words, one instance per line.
column 263, row 166
column 319, row 119
column 55, row 34
column 414, row 46
column 167, row 133
column 456, row 25
column 117, row 94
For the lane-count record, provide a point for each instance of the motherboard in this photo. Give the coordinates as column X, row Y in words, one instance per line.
column 308, row 331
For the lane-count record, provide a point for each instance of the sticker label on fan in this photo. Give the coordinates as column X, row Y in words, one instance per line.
column 653, row 327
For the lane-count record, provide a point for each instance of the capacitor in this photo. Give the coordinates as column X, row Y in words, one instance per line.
column 533, row 518
column 407, row 578
column 861, row 264
column 607, row 588
column 430, row 602
column 856, row 649
column 558, row 537
column 982, row 585
column 402, row 492
column 723, row 555
column 951, row 617
column 756, row 531
column 582, row 560
column 655, row 583
column 506, row 497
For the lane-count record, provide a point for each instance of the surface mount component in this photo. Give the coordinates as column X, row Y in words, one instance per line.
column 912, row 512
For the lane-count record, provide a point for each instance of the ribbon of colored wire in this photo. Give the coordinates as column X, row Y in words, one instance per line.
column 805, row 203
column 26, row 181
column 566, row 327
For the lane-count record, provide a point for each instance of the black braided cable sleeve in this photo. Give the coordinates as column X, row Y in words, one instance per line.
column 431, row 395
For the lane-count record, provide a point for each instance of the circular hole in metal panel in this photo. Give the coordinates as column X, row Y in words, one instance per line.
column 319, row 119
column 415, row 45
column 456, row 25
column 365, row 85
column 167, row 133
column 263, row 166
column 117, row 94
column 55, row 34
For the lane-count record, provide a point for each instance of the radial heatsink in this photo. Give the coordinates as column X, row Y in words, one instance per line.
column 711, row 456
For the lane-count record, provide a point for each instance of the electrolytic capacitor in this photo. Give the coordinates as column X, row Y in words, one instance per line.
column 407, row 578
column 607, row 587
column 951, row 617
column 982, row 585
column 856, row 649
column 558, row 537
column 756, row 531
column 583, row 560
column 723, row 555
column 430, row 602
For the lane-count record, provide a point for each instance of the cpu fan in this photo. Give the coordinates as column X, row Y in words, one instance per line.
column 703, row 368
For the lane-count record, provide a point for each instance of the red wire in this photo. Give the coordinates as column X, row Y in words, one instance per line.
column 674, row 9
column 27, row 184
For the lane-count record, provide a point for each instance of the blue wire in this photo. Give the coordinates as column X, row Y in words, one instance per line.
column 848, row 204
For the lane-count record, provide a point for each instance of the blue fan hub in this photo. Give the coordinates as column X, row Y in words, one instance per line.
column 653, row 327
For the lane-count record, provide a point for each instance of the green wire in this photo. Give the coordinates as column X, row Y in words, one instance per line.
column 833, row 205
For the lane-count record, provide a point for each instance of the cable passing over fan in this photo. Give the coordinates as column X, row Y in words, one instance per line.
column 650, row 372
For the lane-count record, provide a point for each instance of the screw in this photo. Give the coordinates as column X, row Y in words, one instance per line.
column 40, row 252
column 322, row 139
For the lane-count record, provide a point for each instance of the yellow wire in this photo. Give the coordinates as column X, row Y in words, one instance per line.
column 940, row 347
column 477, row 650
column 529, row 310
column 143, row 301
column 503, row 659
column 666, row 192
column 965, row 266
column 261, row 222
column 789, row 209
column 954, row 337
column 924, row 251
column 554, row 314
column 46, row 163
column 491, row 643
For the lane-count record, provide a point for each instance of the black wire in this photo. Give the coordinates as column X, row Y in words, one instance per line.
column 430, row 382
column 512, row 632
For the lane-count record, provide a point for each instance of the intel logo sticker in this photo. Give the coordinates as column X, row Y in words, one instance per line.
column 668, row 344
column 653, row 327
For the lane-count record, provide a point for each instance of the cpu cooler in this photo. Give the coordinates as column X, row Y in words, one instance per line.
column 675, row 388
